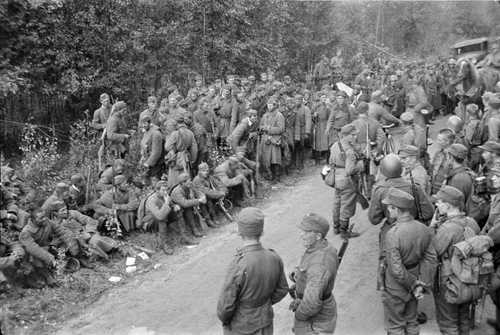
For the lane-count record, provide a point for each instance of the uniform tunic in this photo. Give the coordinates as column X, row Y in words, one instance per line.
column 339, row 117
column 271, row 140
column 321, row 113
column 254, row 282
column 315, row 278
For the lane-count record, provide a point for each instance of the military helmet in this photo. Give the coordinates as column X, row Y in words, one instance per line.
column 391, row 167
column 455, row 123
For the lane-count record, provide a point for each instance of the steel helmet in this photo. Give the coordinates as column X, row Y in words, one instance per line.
column 390, row 166
column 455, row 123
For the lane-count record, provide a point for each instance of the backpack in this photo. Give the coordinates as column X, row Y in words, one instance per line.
column 476, row 206
column 469, row 269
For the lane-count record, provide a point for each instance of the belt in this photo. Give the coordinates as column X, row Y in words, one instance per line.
column 325, row 297
column 338, row 166
column 254, row 303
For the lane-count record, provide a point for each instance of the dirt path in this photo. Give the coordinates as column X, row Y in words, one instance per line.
column 181, row 297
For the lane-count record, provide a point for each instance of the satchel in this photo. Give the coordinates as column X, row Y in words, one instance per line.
column 328, row 175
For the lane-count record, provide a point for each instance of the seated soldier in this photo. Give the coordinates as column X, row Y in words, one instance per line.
column 37, row 237
column 106, row 176
column 155, row 209
column 77, row 192
column 184, row 195
column 11, row 253
column 10, row 214
column 81, row 226
column 229, row 173
column 60, row 195
column 121, row 201
column 203, row 184
column 12, row 182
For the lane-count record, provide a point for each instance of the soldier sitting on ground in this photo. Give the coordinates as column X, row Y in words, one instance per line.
column 37, row 237
column 11, row 253
column 230, row 175
column 60, row 195
column 77, row 192
column 106, row 176
column 10, row 214
column 206, row 184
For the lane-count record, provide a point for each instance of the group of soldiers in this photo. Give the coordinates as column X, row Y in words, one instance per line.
column 372, row 131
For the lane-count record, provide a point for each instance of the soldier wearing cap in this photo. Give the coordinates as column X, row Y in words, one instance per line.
column 409, row 264
column 255, row 281
column 60, row 195
column 223, row 111
column 206, row 184
column 341, row 114
column 302, row 131
column 205, row 116
column 245, row 134
column 494, row 190
column 120, row 199
column 412, row 168
column 459, row 175
column 348, row 166
column 440, row 160
column 315, row 308
column 101, row 115
column 116, row 132
column 152, row 111
column 232, row 178
column 151, row 149
column 490, row 153
column 454, row 228
column 320, row 115
column 272, row 126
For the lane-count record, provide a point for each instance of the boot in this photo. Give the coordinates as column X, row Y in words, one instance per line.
column 32, row 282
column 184, row 237
column 187, row 240
column 211, row 223
column 48, row 277
column 346, row 231
column 168, row 250
column 85, row 263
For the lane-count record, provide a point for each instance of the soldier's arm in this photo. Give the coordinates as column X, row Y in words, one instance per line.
column 159, row 213
column 156, row 149
column 312, row 301
column 32, row 248
column 395, row 264
column 428, row 264
column 96, row 120
column 330, row 121
column 228, row 299
column 181, row 200
column 376, row 210
column 442, row 241
column 210, row 193
column 89, row 223
column 282, row 287
column 352, row 165
column 132, row 203
column 103, row 205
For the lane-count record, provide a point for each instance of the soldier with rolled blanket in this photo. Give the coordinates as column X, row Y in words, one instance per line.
column 410, row 264
column 255, row 281
column 314, row 307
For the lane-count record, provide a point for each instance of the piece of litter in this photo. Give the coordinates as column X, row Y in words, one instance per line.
column 191, row 246
column 143, row 255
column 157, row 266
column 130, row 261
column 114, row 279
column 131, row 269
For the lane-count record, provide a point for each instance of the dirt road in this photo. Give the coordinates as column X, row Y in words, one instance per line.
column 180, row 297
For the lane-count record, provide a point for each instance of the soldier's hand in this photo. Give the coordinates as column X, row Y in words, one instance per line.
column 203, row 199
column 418, row 292
column 294, row 305
column 177, row 208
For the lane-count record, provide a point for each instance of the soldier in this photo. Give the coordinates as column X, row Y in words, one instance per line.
column 314, row 307
column 201, row 138
column 272, row 126
column 116, row 130
column 347, row 165
column 340, row 115
column 413, row 134
column 151, row 150
column 416, row 102
column 36, row 237
column 451, row 318
column 245, row 134
column 152, row 111
column 473, row 136
column 206, row 117
column 254, row 282
column 457, row 125
column 378, row 112
column 224, row 114
column 440, row 160
column 181, row 150
column 106, row 176
column 184, row 195
column 459, row 175
column 77, row 193
column 410, row 264
column 101, row 115
column 233, row 179
column 302, row 132
column 412, row 167
column 238, row 111
column 391, row 171
column 205, row 184
column 11, row 253
column 120, row 201
column 320, row 115
column 288, row 136
column 490, row 154
column 322, row 72
column 10, row 213
column 59, row 195
column 157, row 209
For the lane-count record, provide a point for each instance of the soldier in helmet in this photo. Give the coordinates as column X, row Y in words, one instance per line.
column 456, row 124
column 347, row 165
column 473, row 135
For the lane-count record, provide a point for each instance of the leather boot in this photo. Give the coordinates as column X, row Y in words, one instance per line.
column 184, row 237
column 211, row 223
column 346, row 231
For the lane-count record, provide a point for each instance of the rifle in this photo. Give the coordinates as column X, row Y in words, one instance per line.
column 427, row 163
column 220, row 202
column 345, row 243
column 196, row 210
column 416, row 198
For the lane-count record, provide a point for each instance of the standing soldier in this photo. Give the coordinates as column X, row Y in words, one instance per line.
column 302, row 133
column 315, row 308
column 451, row 318
column 181, row 149
column 116, row 130
column 152, row 111
column 440, row 160
column 413, row 171
column 224, row 113
column 347, row 165
column 206, row 117
column 151, row 150
column 322, row 72
column 254, row 282
column 245, row 134
column 238, row 111
column 272, row 125
column 340, row 115
column 101, row 115
column 288, row 136
column 409, row 265
column 321, row 114
column 473, row 135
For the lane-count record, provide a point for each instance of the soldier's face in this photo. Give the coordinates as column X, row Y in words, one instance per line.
column 203, row 173
column 270, row 106
column 263, row 77
column 442, row 141
column 163, row 191
column 442, row 206
column 106, row 102
column 63, row 213
column 152, row 103
column 487, row 156
column 253, row 118
column 198, row 83
column 309, row 238
column 393, row 211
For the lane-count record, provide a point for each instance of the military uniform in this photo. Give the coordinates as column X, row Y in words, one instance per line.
column 408, row 262
column 152, row 152
column 419, row 175
column 116, row 134
column 339, row 117
column 224, row 114
column 440, row 169
column 100, row 118
column 273, row 125
column 245, row 135
column 344, row 159
column 185, row 197
column 315, row 307
column 302, row 133
column 10, row 253
column 126, row 203
column 321, row 114
column 254, row 282
column 181, row 151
